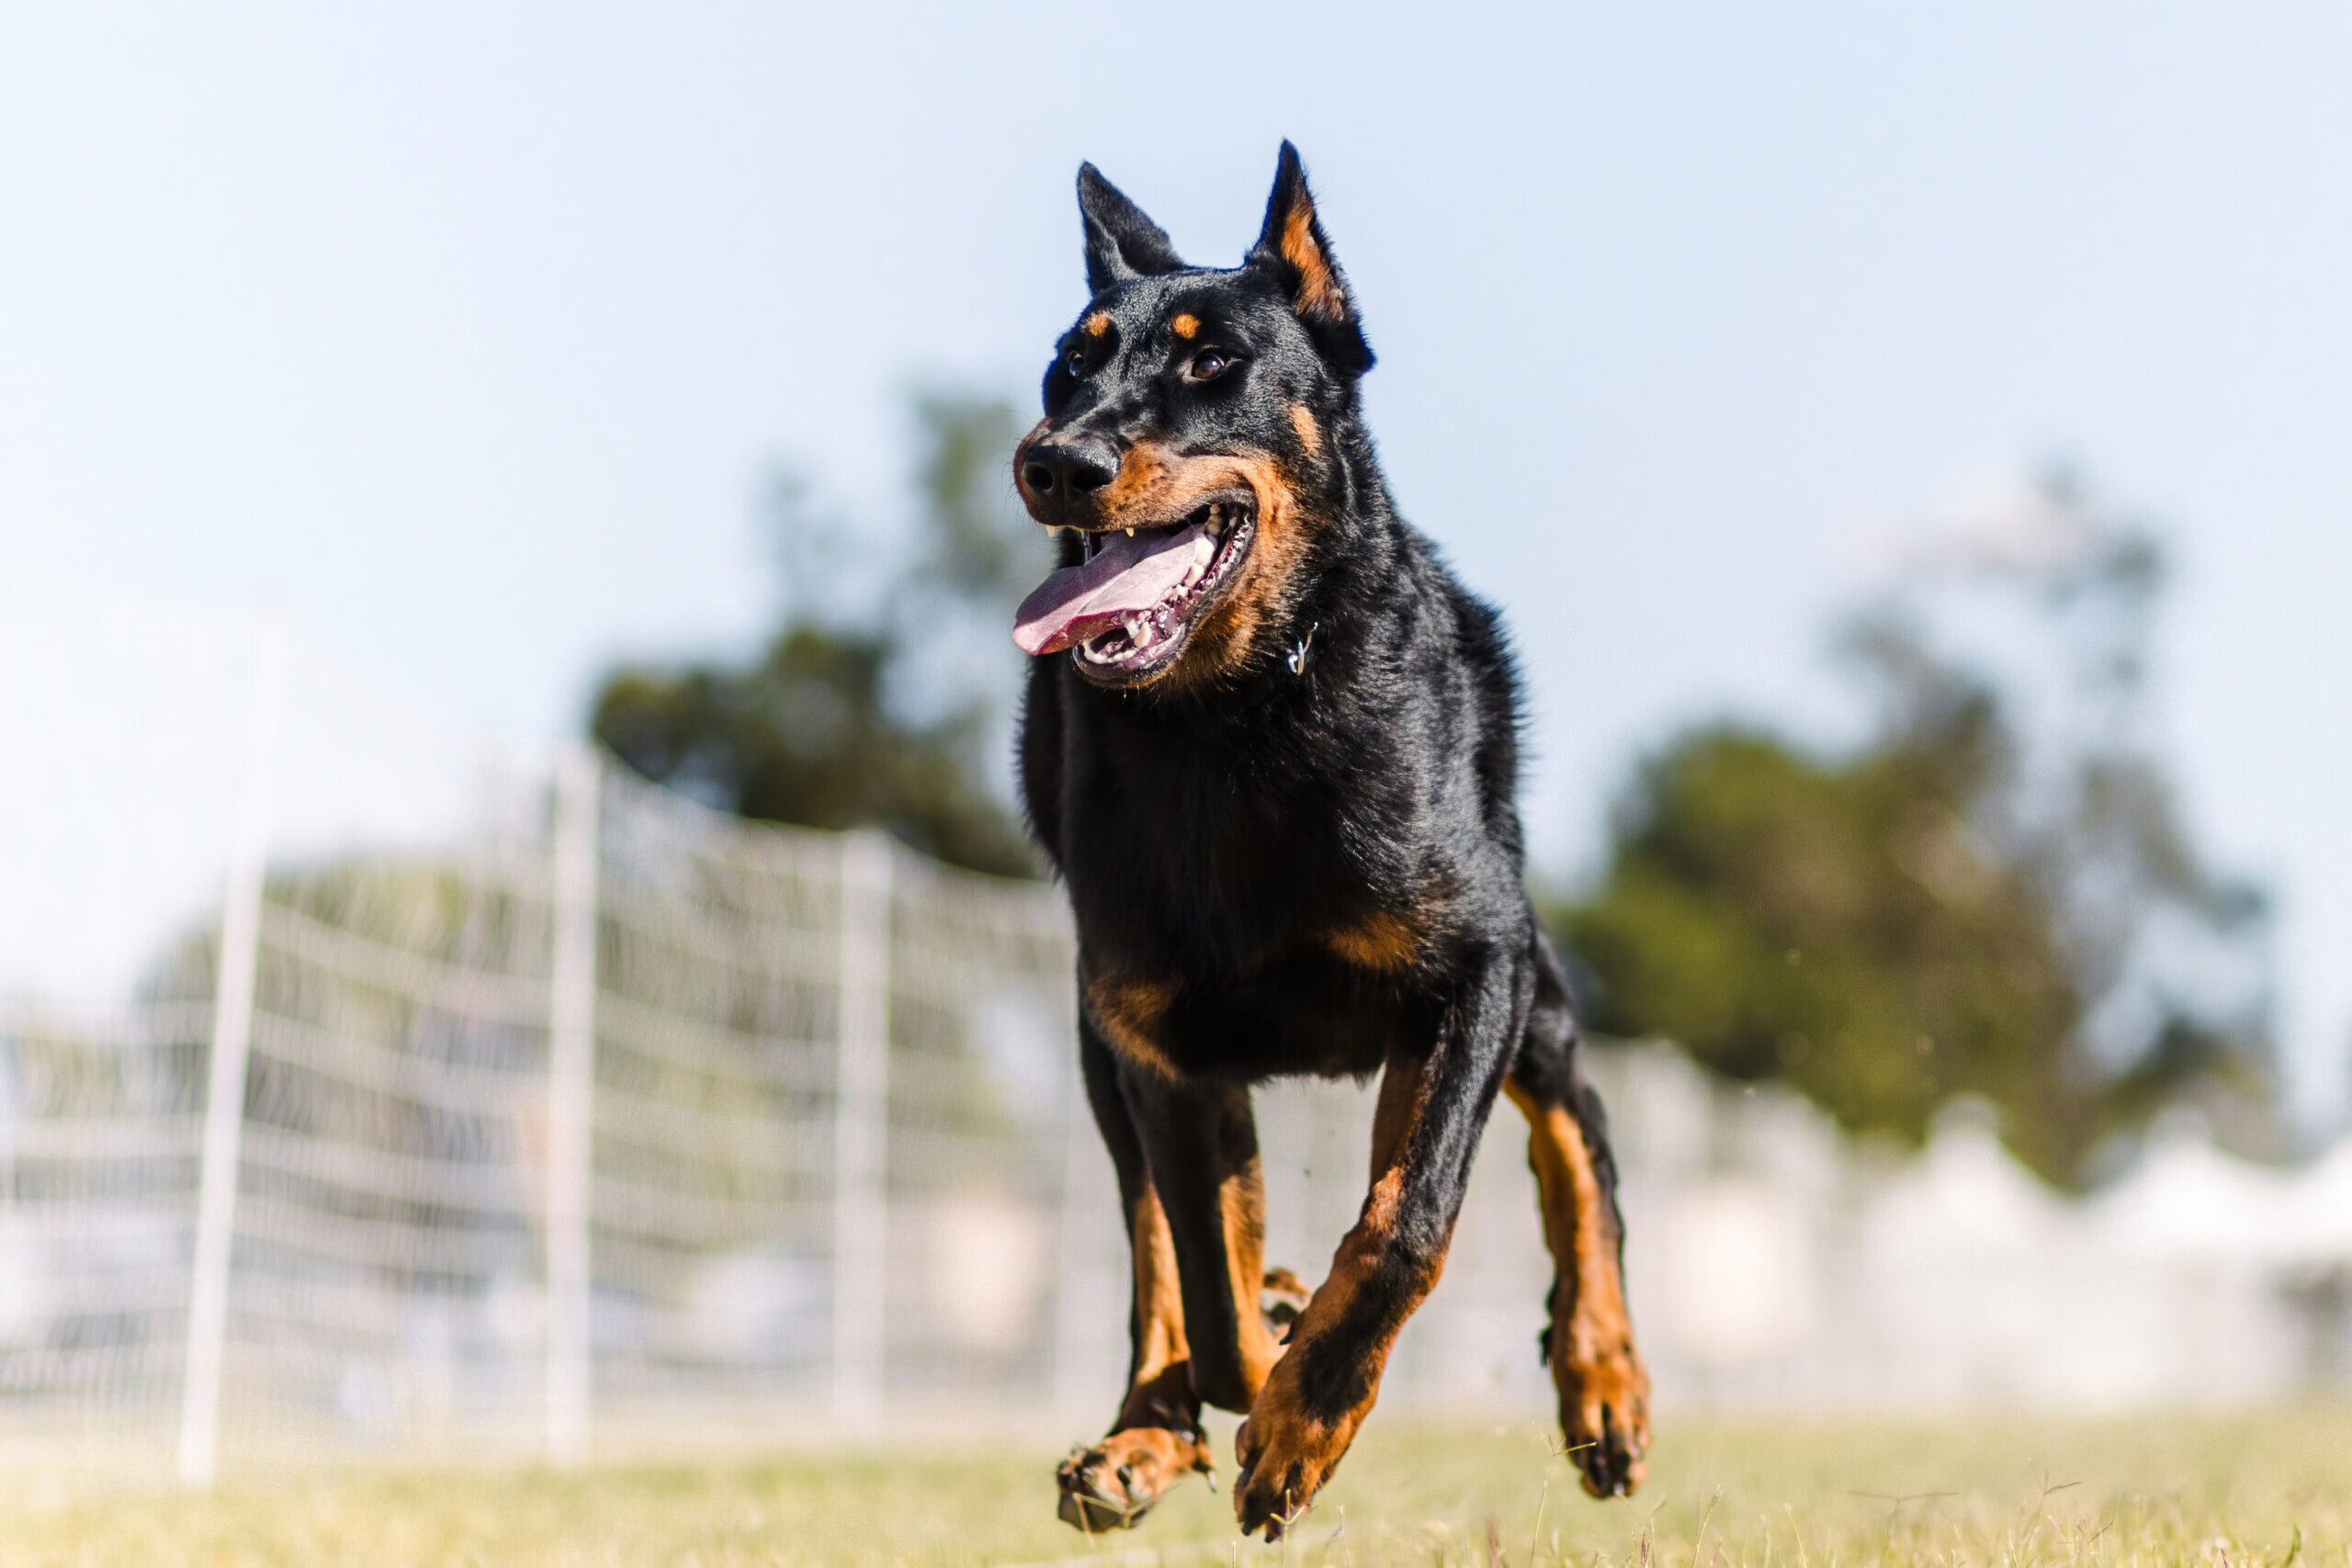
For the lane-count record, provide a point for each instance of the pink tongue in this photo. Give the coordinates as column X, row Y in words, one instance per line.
column 1132, row 574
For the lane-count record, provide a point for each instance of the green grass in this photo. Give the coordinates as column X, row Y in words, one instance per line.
column 2250, row 1490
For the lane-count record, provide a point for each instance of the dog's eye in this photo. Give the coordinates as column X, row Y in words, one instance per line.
column 1208, row 364
column 1075, row 362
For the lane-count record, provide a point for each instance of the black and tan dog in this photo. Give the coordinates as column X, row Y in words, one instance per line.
column 1271, row 745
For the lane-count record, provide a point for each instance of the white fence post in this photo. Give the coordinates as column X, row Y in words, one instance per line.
column 861, row 1107
column 571, row 1081
column 232, row 1050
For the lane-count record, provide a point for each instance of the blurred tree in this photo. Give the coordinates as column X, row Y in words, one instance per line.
column 878, row 697
column 1991, row 895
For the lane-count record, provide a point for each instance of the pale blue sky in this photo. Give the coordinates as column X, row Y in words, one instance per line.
column 467, row 330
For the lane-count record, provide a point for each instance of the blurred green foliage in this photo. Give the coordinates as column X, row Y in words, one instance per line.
column 882, row 697
column 1991, row 895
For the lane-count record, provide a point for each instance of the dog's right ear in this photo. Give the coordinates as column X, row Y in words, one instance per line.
column 1293, row 247
column 1121, row 243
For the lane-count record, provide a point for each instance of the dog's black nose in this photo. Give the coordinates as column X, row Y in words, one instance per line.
column 1068, row 469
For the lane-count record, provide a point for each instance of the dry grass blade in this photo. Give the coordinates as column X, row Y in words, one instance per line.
column 2260, row 1489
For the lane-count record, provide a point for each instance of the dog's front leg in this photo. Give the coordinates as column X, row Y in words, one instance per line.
column 1434, row 1097
column 1200, row 1141
column 1155, row 1441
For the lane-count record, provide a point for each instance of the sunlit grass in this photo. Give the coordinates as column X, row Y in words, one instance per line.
column 2239, row 1490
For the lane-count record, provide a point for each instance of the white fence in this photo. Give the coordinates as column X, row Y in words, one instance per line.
column 610, row 1122
column 620, row 1109
column 569, row 1118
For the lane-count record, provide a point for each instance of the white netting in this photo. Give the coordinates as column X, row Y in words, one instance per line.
column 100, row 1123
column 732, row 1268
column 391, row 1204
column 836, row 1167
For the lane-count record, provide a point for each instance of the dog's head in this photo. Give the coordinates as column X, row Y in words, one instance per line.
column 1191, row 440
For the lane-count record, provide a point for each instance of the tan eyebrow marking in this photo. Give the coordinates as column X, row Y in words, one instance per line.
column 1096, row 324
column 1184, row 324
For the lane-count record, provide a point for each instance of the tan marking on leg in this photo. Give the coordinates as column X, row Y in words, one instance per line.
column 1289, row 1448
column 1402, row 1098
column 1596, row 1370
column 1159, row 1304
column 1241, row 1201
column 1155, row 1442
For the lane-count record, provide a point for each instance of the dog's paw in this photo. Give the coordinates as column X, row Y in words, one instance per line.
column 1284, row 1457
column 1115, row 1484
column 1605, row 1415
column 1284, row 1297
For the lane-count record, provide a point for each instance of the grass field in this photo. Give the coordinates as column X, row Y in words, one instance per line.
column 2251, row 1490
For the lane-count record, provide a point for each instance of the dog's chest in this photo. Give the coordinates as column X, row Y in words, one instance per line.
column 1239, row 932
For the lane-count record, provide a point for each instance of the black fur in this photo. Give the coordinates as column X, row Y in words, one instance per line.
column 1352, row 767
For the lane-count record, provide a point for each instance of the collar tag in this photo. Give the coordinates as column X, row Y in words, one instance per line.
column 1297, row 656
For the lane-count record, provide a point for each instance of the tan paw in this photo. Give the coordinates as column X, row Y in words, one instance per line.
column 1604, row 1411
column 1285, row 1456
column 1115, row 1484
column 1282, row 1299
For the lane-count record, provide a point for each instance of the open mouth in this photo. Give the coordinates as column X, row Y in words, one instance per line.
column 1128, row 606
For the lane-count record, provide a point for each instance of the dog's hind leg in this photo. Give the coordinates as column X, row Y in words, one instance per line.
column 1602, row 1386
column 1155, row 1440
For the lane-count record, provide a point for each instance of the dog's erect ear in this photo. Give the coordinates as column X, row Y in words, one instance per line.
column 1121, row 243
column 1292, row 246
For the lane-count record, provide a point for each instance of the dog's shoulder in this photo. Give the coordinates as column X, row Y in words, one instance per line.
column 1456, row 657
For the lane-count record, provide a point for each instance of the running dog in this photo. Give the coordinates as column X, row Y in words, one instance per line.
column 1271, row 747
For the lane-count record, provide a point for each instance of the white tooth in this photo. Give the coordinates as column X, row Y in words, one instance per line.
column 1131, row 533
column 1203, row 548
column 1139, row 631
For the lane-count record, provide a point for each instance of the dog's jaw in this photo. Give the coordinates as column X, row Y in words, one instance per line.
column 1150, row 645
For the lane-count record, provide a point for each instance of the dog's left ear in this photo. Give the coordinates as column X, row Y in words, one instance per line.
column 1121, row 241
column 1293, row 247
